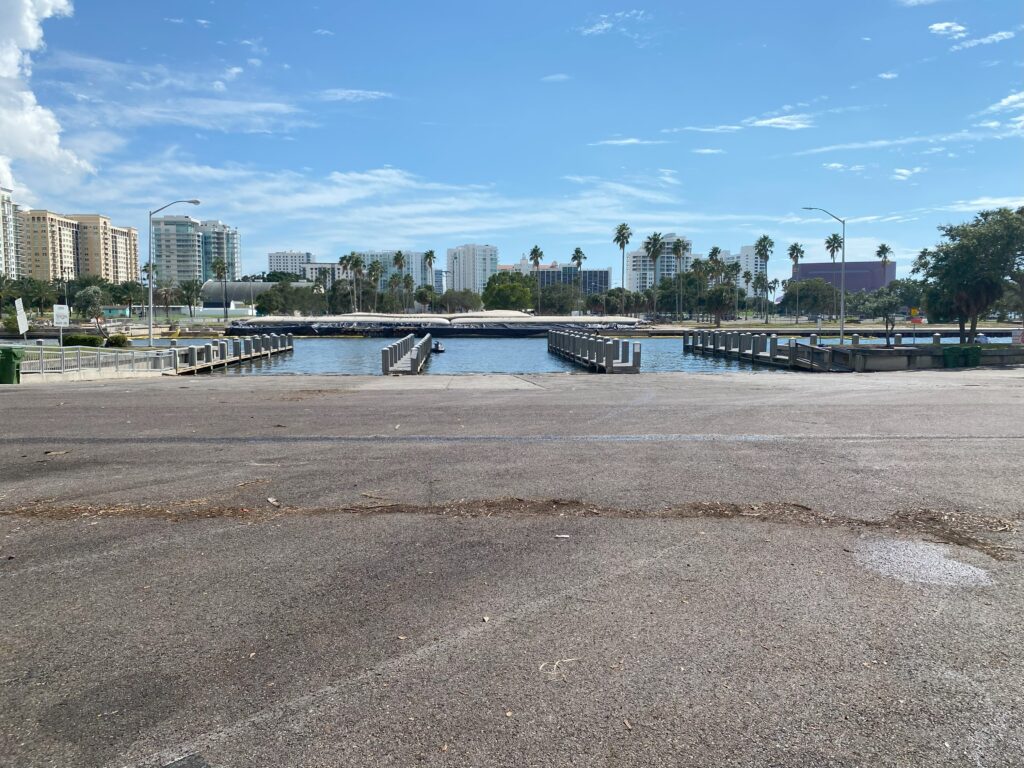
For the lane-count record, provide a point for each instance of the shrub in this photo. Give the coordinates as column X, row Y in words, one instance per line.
column 82, row 340
column 118, row 340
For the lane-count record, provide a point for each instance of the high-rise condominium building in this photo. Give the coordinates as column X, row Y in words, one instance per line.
column 185, row 249
column 471, row 266
column 220, row 242
column 748, row 263
column 642, row 272
column 289, row 261
column 10, row 236
column 589, row 281
column 414, row 265
column 440, row 281
column 105, row 250
column 49, row 245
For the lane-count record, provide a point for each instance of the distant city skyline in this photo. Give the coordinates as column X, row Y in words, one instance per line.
column 286, row 121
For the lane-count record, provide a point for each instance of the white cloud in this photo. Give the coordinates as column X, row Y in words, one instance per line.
column 599, row 27
column 254, row 62
column 888, row 75
column 948, row 29
column 902, row 174
column 841, row 168
column 1011, row 102
column 31, row 133
column 981, row 203
column 323, row 32
column 623, row 22
column 558, row 77
column 174, row 21
column 704, row 151
column 935, row 138
column 202, row 22
column 705, row 129
column 231, row 73
column 352, row 94
column 996, row 37
column 218, row 86
column 990, row 124
column 866, row 39
column 624, row 142
column 786, row 122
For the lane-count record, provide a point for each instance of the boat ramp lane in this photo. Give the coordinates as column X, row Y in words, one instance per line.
column 595, row 353
column 406, row 356
column 194, row 359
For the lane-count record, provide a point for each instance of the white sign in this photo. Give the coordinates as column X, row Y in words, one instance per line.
column 19, row 310
column 61, row 315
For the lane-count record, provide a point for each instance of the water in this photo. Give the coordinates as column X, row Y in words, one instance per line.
column 347, row 356
column 362, row 356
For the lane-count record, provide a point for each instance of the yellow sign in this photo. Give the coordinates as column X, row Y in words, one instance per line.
column 913, row 311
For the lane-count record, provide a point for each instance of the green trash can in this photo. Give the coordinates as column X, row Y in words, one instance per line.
column 952, row 357
column 972, row 356
column 10, row 365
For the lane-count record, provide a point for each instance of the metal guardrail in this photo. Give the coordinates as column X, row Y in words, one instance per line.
column 41, row 359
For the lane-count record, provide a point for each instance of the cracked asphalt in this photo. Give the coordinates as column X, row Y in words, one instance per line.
column 549, row 570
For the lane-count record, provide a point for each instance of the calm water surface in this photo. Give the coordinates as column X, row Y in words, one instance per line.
column 362, row 356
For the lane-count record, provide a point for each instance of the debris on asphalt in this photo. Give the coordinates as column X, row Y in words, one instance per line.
column 273, row 501
column 629, row 727
column 561, row 535
column 486, row 619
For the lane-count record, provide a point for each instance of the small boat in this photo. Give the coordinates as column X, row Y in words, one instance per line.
column 437, row 347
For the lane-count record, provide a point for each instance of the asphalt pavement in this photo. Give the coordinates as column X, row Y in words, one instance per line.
column 552, row 570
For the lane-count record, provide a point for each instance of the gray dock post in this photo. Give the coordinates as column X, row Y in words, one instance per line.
column 208, row 353
column 174, row 342
column 855, row 340
column 773, row 346
column 814, row 339
column 193, row 356
column 897, row 340
column 936, row 338
column 291, row 340
column 636, row 357
column 222, row 348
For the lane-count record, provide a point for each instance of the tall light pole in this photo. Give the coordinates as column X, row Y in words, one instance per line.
column 149, row 277
column 842, row 276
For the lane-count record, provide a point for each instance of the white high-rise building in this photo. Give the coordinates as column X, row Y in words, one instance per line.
column 471, row 266
column 328, row 272
column 289, row 261
column 640, row 272
column 440, row 281
column 10, row 236
column 748, row 263
column 177, row 249
column 414, row 265
column 221, row 241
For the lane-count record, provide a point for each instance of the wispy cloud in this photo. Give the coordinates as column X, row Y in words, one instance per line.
column 841, row 168
column 705, row 129
column 888, row 75
column 706, row 151
column 174, row 21
column 558, row 77
column 203, row 22
column 912, row 3
column 323, row 32
column 786, row 122
column 623, row 22
column 996, row 37
column 981, row 203
column 352, row 94
column 630, row 142
column 935, row 138
column 902, row 174
column 1011, row 102
column 949, row 29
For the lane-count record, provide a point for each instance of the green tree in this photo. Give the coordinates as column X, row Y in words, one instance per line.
column 747, row 280
column 884, row 303
column 508, row 290
column 652, row 247
column 425, row 295
column 719, row 301
column 700, row 270
column 130, row 293
column 796, row 252
column 622, row 237
column 679, row 249
column 834, row 244
column 219, row 268
column 763, row 248
column 356, row 266
column 192, row 294
column 166, row 293
column 399, row 262
column 883, row 253
column 966, row 273
column 577, row 259
column 536, row 256
column 89, row 303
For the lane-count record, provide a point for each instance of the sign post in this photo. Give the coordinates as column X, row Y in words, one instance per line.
column 19, row 310
column 62, row 319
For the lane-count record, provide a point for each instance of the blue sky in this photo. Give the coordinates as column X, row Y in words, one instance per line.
column 337, row 126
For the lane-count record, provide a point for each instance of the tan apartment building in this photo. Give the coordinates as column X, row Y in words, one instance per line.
column 62, row 247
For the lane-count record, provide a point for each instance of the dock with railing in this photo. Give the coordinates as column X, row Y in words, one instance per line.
column 765, row 349
column 407, row 356
column 595, row 353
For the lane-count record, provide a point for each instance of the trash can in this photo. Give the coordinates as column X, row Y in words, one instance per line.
column 953, row 357
column 972, row 356
column 10, row 365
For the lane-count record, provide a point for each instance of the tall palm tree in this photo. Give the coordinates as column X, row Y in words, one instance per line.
column 679, row 249
column 408, row 284
column 699, row 267
column 428, row 261
column 747, row 280
column 884, row 252
column 622, row 235
column 536, row 255
column 796, row 252
column 773, row 286
column 732, row 277
column 652, row 247
column 763, row 250
column 375, row 273
column 761, row 290
column 577, row 259
column 834, row 244
column 715, row 265
column 399, row 261
column 356, row 265
column 219, row 267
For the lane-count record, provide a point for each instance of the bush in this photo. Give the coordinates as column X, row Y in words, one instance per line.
column 82, row 340
column 118, row 340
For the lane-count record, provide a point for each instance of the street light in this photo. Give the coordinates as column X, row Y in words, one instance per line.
column 842, row 276
column 149, row 277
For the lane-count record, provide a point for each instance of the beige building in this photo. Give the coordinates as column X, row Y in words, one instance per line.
column 63, row 247
column 105, row 250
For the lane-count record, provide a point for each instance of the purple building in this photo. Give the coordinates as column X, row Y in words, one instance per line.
column 860, row 275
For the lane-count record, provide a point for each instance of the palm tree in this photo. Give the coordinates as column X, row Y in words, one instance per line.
column 773, row 286
column 219, row 268
column 408, row 284
column 747, row 280
column 399, row 261
column 167, row 293
column 715, row 264
column 884, row 252
column 536, row 254
column 763, row 251
column 834, row 244
column 652, row 247
column 622, row 235
column 577, row 258
column 428, row 261
column 761, row 290
column 679, row 249
column 374, row 273
column 356, row 264
column 796, row 252
column 732, row 277
column 699, row 267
